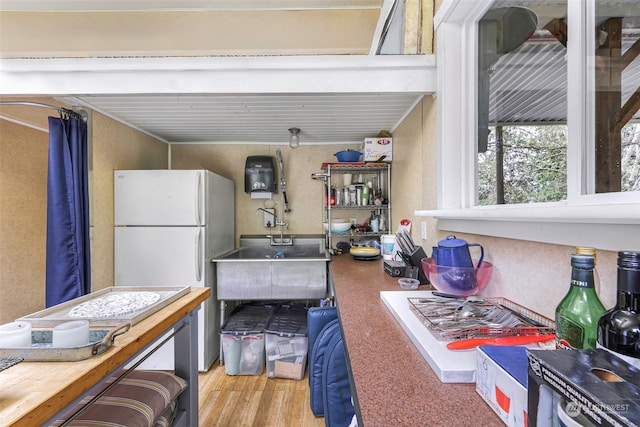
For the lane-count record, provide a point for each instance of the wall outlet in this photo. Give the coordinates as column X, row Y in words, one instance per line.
column 269, row 218
column 423, row 230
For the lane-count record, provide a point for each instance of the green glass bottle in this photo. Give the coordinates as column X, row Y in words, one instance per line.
column 578, row 313
column 585, row 250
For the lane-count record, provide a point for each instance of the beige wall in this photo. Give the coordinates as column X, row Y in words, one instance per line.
column 537, row 275
column 303, row 194
column 115, row 146
column 187, row 33
column 23, row 217
column 413, row 166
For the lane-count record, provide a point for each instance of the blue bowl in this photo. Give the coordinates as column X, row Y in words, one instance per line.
column 348, row 155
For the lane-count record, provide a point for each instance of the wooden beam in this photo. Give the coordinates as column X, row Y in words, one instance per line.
column 558, row 28
column 608, row 100
column 499, row 166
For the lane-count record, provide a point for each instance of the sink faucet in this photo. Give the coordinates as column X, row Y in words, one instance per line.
column 267, row 212
column 282, row 241
column 285, row 208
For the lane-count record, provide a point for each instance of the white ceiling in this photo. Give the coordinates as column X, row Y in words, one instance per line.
column 252, row 100
column 266, row 118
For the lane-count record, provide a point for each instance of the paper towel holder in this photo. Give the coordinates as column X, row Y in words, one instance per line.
column 259, row 175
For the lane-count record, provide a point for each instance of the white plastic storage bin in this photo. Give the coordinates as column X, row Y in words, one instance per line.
column 286, row 343
column 243, row 339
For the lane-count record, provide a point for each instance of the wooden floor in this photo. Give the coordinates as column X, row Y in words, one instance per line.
column 251, row 400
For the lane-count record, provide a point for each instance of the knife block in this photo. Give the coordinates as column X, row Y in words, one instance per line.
column 415, row 258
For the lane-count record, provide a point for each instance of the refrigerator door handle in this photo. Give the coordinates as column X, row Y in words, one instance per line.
column 198, row 198
column 199, row 254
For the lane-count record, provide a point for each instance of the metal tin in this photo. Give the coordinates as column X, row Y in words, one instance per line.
column 41, row 349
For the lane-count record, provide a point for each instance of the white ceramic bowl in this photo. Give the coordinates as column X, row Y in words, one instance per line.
column 71, row 334
column 338, row 225
column 15, row 334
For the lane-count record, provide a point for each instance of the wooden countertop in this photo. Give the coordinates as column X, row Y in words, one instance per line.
column 33, row 392
column 395, row 386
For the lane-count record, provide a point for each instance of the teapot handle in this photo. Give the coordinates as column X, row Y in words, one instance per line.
column 435, row 254
column 481, row 253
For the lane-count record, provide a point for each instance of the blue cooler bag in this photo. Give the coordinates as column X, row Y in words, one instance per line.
column 336, row 388
column 316, row 366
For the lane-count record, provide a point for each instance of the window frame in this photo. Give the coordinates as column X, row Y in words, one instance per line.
column 606, row 221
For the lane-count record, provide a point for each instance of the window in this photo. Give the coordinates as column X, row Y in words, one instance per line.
column 615, row 61
column 522, row 101
column 522, row 105
column 576, row 215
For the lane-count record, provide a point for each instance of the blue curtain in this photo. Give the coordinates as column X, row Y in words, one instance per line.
column 68, row 264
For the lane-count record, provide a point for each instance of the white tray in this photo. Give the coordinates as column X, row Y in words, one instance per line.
column 62, row 312
column 450, row 366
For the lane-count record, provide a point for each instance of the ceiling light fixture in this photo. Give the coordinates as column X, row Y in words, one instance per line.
column 294, row 139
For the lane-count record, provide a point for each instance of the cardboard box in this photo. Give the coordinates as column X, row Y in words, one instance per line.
column 582, row 387
column 286, row 357
column 291, row 367
column 374, row 148
column 501, row 380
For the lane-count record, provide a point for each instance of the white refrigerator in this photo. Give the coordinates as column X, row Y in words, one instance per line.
column 169, row 224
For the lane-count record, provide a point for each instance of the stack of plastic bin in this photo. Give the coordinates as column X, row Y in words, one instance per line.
column 243, row 339
column 286, row 342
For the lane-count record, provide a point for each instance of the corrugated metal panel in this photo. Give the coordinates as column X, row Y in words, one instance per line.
column 322, row 118
column 529, row 86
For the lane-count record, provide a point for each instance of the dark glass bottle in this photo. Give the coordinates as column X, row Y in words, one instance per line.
column 619, row 328
column 578, row 313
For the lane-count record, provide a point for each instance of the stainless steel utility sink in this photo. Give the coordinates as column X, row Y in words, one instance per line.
column 259, row 271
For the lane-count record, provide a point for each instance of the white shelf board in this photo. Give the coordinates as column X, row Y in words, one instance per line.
column 449, row 366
